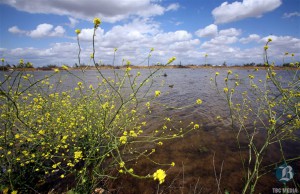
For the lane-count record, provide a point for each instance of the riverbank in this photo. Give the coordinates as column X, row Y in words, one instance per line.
column 147, row 67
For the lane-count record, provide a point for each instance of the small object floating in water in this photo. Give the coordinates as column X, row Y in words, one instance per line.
column 165, row 75
column 171, row 86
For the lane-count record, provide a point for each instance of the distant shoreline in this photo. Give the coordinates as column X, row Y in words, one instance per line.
column 147, row 67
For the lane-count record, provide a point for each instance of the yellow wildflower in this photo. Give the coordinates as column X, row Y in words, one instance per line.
column 159, row 175
column 196, row 126
column 14, row 192
column 171, row 60
column 123, row 139
column 78, row 155
column 2, row 59
column 56, row 70
column 5, row 191
column 77, row 31
column 97, row 22
column 199, row 101
column 64, row 67
column 217, row 73
column 266, row 47
column 251, row 76
column 225, row 90
column 130, row 170
column 157, row 93
column 122, row 164
column 132, row 133
column 173, row 164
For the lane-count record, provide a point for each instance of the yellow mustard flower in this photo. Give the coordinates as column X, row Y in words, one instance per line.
column 132, row 133
column 130, row 170
column 266, row 47
column 97, row 22
column 78, row 155
column 225, row 90
column 2, row 60
column 217, row 73
column 157, row 93
column 171, row 60
column 14, row 192
column 123, row 139
column 251, row 76
column 159, row 175
column 64, row 67
column 56, row 70
column 173, row 164
column 122, row 164
column 77, row 31
column 199, row 101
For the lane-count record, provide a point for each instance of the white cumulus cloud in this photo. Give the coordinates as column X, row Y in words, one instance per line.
column 229, row 12
column 109, row 11
column 209, row 31
column 250, row 38
column 42, row 30
column 16, row 30
column 288, row 15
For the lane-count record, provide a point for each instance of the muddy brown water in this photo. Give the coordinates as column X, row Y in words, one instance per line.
column 195, row 152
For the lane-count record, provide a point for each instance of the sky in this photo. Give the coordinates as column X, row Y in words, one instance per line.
column 43, row 31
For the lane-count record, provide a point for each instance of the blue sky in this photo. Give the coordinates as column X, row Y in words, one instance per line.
column 42, row 31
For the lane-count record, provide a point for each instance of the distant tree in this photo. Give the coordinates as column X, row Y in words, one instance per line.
column 224, row 64
column 28, row 65
column 52, row 66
